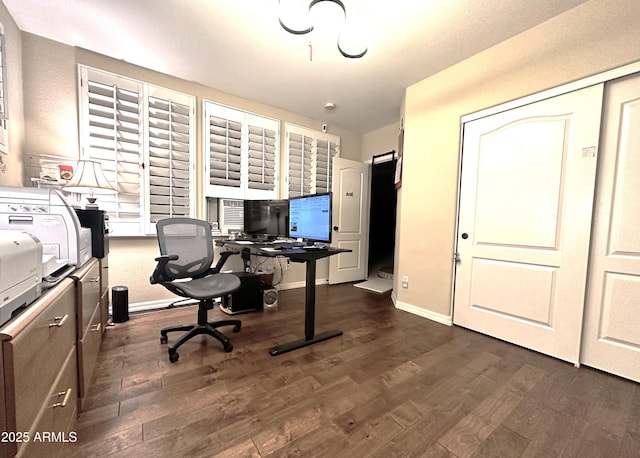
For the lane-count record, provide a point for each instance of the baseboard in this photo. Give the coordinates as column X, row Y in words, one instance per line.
column 437, row 317
column 153, row 305
column 164, row 303
column 300, row 284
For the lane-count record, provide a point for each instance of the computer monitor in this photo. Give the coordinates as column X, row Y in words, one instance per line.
column 266, row 218
column 310, row 217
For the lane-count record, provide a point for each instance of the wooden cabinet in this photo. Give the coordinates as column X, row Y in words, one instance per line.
column 89, row 324
column 39, row 373
column 47, row 356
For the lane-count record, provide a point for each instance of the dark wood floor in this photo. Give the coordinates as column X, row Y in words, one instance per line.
column 394, row 385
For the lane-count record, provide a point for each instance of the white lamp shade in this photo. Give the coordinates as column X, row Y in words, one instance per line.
column 89, row 178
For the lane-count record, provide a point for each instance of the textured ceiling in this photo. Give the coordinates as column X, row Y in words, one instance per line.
column 239, row 47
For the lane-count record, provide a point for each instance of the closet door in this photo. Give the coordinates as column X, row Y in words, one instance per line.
column 611, row 333
column 526, row 200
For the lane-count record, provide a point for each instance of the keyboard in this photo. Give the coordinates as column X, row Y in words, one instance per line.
column 251, row 239
column 287, row 245
column 294, row 245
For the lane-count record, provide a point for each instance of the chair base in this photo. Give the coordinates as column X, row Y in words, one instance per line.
column 202, row 327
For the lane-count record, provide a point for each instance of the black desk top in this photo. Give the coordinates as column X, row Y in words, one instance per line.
column 268, row 249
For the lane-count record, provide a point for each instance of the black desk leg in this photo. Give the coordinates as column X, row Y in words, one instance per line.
column 310, row 300
column 309, row 317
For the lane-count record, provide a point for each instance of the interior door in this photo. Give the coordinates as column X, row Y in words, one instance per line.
column 526, row 199
column 350, row 185
column 611, row 333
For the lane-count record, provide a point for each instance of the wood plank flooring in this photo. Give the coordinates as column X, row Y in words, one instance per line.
column 394, row 385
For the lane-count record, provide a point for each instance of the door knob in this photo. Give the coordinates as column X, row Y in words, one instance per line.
column 465, row 235
column 335, row 228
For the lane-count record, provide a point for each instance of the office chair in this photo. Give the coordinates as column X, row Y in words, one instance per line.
column 184, row 268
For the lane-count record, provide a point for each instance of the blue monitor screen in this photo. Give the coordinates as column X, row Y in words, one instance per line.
column 310, row 217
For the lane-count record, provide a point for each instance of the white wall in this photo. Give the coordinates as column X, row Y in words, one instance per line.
column 591, row 38
column 380, row 141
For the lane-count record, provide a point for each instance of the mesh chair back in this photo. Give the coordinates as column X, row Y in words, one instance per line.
column 191, row 240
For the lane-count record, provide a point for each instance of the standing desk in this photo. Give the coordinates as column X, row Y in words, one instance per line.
column 309, row 257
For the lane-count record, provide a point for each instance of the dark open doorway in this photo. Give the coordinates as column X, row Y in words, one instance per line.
column 382, row 215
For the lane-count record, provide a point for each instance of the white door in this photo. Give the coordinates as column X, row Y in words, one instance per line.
column 611, row 339
column 526, row 200
column 350, row 186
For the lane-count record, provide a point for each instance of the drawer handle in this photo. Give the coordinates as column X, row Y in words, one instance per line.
column 58, row 321
column 96, row 327
column 66, row 395
column 94, row 279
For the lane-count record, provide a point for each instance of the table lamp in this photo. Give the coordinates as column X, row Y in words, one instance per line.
column 89, row 179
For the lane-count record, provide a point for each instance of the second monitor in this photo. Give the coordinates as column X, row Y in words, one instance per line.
column 266, row 218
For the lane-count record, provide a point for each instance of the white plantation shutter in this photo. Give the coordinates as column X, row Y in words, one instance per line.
column 263, row 153
column 300, row 148
column 241, row 153
column 223, row 151
column 262, row 158
column 310, row 156
column 112, row 136
column 326, row 150
column 143, row 137
column 170, row 136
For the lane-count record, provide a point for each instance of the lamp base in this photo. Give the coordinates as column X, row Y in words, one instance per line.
column 91, row 203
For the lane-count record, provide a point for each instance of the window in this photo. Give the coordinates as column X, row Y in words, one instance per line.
column 310, row 156
column 4, row 147
column 241, row 153
column 143, row 136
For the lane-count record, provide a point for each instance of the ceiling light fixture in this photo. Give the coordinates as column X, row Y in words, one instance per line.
column 293, row 13
column 329, row 106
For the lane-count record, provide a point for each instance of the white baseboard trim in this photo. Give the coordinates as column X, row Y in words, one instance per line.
column 301, row 284
column 437, row 317
column 151, row 305
column 164, row 303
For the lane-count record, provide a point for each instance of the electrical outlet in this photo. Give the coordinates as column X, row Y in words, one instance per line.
column 288, row 265
column 405, row 281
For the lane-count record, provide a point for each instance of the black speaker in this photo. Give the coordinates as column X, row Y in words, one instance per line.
column 248, row 298
column 120, row 304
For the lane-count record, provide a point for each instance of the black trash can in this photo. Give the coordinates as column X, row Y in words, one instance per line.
column 120, row 304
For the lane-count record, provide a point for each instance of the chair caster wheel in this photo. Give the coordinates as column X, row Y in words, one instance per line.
column 236, row 328
column 173, row 357
column 163, row 339
column 228, row 347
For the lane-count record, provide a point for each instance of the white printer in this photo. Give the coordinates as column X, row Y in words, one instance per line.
column 20, row 271
column 47, row 215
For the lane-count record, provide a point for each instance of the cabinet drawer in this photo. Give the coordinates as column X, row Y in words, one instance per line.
column 88, row 285
column 88, row 349
column 47, row 333
column 57, row 415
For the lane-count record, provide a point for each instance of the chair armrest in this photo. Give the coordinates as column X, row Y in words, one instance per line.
column 158, row 275
column 224, row 255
